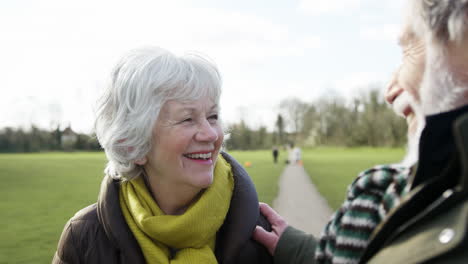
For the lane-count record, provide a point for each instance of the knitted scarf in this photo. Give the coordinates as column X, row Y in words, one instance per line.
column 369, row 199
column 187, row 238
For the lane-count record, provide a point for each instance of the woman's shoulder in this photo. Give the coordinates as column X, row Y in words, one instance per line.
column 86, row 239
column 80, row 224
column 78, row 231
column 89, row 213
column 234, row 241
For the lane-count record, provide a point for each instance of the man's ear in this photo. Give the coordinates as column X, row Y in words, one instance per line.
column 141, row 161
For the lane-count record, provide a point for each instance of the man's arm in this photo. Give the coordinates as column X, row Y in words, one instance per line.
column 285, row 243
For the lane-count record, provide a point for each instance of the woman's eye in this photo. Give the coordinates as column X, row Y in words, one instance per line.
column 187, row 120
column 213, row 117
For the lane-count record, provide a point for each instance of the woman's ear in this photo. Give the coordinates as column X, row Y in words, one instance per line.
column 141, row 161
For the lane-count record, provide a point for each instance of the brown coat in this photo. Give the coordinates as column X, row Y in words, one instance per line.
column 99, row 233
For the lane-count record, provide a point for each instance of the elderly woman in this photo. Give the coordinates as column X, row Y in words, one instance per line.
column 169, row 194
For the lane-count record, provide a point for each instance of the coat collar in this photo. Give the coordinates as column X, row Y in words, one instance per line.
column 242, row 215
column 111, row 218
column 437, row 145
column 443, row 148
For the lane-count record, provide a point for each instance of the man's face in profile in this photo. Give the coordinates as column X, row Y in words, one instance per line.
column 403, row 91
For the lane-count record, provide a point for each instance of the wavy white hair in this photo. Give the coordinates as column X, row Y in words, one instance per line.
column 141, row 82
column 445, row 20
column 440, row 22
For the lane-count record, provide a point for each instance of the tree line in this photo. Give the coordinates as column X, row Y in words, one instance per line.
column 35, row 140
column 366, row 120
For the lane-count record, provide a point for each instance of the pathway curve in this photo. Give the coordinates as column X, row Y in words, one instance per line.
column 300, row 203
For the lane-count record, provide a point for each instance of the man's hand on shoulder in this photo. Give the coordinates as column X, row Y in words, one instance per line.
column 278, row 225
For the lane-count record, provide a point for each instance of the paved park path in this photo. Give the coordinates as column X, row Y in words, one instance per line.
column 300, row 203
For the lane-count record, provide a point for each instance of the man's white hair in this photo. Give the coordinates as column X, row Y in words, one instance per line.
column 447, row 20
column 141, row 82
column 439, row 23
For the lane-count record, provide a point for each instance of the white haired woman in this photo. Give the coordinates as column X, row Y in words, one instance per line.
column 169, row 194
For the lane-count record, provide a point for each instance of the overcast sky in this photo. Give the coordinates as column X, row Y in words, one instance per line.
column 55, row 55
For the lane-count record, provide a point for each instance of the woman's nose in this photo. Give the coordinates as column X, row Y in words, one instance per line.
column 207, row 132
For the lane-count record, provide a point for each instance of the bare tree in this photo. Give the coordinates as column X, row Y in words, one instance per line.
column 280, row 128
column 294, row 111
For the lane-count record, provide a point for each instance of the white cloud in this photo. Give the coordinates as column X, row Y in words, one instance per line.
column 353, row 84
column 384, row 32
column 256, row 101
column 398, row 5
column 366, row 7
column 323, row 7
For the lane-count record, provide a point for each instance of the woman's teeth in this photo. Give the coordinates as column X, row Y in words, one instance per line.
column 199, row 156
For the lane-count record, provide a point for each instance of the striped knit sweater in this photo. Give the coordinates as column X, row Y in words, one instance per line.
column 369, row 198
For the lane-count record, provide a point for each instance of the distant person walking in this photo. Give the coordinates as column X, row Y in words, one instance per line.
column 294, row 154
column 297, row 156
column 290, row 148
column 275, row 154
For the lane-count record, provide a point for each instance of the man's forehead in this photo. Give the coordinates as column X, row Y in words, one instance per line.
column 406, row 36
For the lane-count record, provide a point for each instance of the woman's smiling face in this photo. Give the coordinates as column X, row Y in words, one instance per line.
column 187, row 138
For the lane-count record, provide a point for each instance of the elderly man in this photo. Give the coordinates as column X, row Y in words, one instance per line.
column 428, row 224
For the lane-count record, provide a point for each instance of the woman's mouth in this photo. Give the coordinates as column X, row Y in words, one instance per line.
column 199, row 156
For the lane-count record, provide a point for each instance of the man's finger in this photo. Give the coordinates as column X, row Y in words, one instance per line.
column 267, row 239
column 271, row 215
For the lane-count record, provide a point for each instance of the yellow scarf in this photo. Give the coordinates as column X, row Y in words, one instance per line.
column 192, row 234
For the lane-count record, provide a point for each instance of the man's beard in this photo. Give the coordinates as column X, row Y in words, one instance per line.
column 440, row 91
column 412, row 149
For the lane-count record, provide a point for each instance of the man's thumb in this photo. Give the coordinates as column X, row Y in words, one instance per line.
column 267, row 239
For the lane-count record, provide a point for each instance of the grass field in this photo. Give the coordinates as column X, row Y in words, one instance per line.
column 264, row 173
column 333, row 169
column 40, row 192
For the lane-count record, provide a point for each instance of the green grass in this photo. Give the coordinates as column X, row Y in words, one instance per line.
column 265, row 174
column 40, row 192
column 333, row 169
